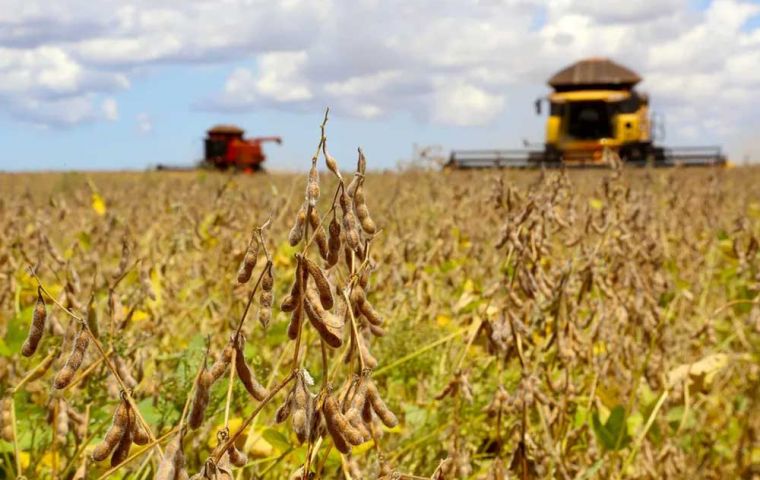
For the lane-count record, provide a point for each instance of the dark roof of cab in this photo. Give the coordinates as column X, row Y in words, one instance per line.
column 229, row 129
column 594, row 71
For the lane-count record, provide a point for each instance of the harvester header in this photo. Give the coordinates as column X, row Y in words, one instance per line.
column 596, row 118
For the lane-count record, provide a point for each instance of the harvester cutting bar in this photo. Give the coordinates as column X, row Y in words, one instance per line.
column 667, row 157
column 460, row 159
column 694, row 156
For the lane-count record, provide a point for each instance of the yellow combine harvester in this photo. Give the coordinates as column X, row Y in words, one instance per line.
column 596, row 118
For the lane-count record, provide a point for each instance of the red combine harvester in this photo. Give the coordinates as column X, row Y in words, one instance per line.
column 226, row 148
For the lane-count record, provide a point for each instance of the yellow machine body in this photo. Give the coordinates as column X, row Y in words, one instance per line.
column 574, row 129
column 596, row 118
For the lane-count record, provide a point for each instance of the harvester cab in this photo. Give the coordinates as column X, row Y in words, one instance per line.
column 595, row 114
column 225, row 147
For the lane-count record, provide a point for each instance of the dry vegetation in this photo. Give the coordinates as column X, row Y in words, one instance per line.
column 516, row 324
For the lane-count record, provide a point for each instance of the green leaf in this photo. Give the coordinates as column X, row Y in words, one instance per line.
column 593, row 469
column 17, row 328
column 4, row 350
column 6, row 447
column 613, row 435
column 276, row 439
column 148, row 411
column 415, row 416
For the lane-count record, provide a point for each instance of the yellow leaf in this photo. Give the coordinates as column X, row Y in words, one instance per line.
column 260, row 447
column 442, row 320
column 23, row 460
column 469, row 286
column 139, row 315
column 98, row 204
column 464, row 301
column 700, row 374
column 595, row 203
column 753, row 209
column 156, row 283
column 362, row 449
column 235, row 423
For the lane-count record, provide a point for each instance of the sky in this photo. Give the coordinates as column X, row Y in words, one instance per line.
column 108, row 85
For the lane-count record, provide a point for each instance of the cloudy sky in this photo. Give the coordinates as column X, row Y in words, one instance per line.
column 128, row 84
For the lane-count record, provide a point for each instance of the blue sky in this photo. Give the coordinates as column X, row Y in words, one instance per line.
column 117, row 86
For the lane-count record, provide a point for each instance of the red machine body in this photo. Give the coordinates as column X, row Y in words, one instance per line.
column 225, row 147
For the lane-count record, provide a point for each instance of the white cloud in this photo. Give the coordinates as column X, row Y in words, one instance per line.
column 463, row 104
column 444, row 61
column 110, row 109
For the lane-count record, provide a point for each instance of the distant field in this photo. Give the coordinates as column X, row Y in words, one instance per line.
column 589, row 325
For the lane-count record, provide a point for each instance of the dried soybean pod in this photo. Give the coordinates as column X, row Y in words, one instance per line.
column 220, row 365
column 267, row 280
column 297, row 294
column 349, row 354
column 348, row 256
column 237, row 458
column 367, row 412
column 332, row 164
column 370, row 313
column 349, row 222
column 340, row 443
column 200, row 399
column 295, row 321
column 139, row 436
column 267, row 297
column 354, row 417
column 249, row 262
column 122, row 448
column 301, row 409
column 333, row 242
column 66, row 374
column 362, row 212
column 6, row 420
column 328, row 326
column 124, row 258
column 289, row 303
column 167, row 469
column 146, row 283
column 312, row 186
column 360, row 394
column 283, row 411
column 316, row 429
column 118, row 427
column 265, row 312
column 320, row 281
column 61, row 422
column 376, row 331
column 257, row 391
column 319, row 233
column 37, row 327
column 300, row 423
column 92, row 316
column 379, row 406
column 369, row 360
column 351, row 189
column 364, row 279
column 124, row 373
column 337, row 423
column 296, row 233
column 361, row 162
